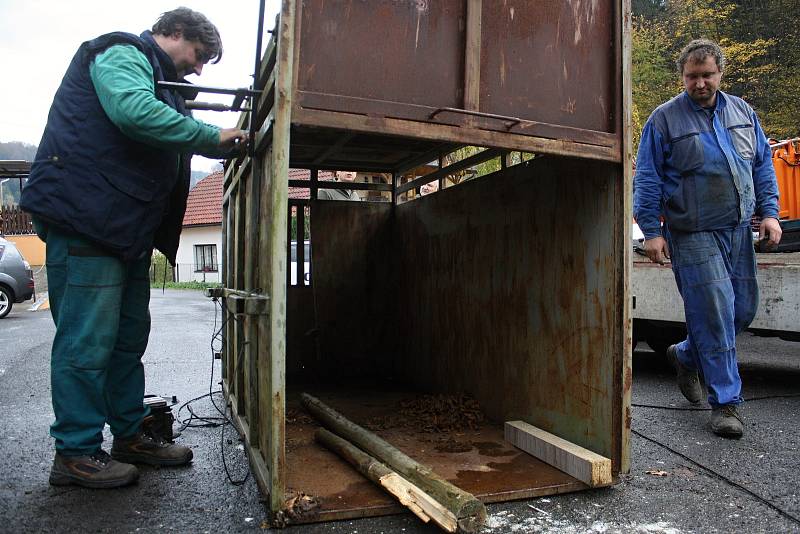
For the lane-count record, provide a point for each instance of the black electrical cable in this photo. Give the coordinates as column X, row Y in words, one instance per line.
column 218, row 335
column 214, row 421
column 699, row 409
column 722, row 477
column 675, row 408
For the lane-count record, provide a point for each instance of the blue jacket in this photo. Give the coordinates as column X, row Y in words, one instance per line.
column 91, row 180
column 703, row 171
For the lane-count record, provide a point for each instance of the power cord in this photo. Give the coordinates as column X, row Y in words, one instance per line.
column 699, row 409
column 722, row 477
column 708, row 469
column 196, row 421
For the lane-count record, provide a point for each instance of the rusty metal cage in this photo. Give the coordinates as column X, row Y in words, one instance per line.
column 510, row 286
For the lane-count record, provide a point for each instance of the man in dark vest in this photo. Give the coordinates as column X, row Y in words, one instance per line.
column 109, row 185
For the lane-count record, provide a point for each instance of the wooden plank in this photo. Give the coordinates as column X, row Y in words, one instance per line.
column 355, row 186
column 264, row 362
column 243, row 169
column 472, row 59
column 421, row 159
column 624, row 376
column 475, row 159
column 224, row 277
column 587, row 466
column 259, row 304
column 343, row 140
column 277, row 202
column 230, row 171
column 230, row 336
column 266, row 101
column 416, row 114
column 314, row 183
column 301, row 249
column 263, row 136
column 289, row 243
column 455, row 134
column 254, row 454
column 267, row 63
column 238, row 283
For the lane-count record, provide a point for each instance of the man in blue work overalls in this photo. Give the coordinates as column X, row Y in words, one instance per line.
column 704, row 164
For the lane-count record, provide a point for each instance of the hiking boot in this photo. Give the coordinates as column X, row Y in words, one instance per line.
column 148, row 447
column 97, row 470
column 726, row 421
column 688, row 379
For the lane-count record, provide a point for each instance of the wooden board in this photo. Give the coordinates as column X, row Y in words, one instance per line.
column 587, row 466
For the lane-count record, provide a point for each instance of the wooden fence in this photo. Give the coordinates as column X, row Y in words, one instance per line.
column 14, row 221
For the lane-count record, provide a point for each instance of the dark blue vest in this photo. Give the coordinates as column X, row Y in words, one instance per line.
column 92, row 180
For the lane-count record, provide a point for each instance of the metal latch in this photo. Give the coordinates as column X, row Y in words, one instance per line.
column 240, row 302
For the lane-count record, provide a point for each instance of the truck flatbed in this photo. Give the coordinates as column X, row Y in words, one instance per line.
column 657, row 303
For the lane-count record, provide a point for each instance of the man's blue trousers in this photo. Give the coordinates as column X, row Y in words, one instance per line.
column 100, row 306
column 716, row 276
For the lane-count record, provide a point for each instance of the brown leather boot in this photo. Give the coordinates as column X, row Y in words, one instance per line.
column 726, row 421
column 688, row 379
column 97, row 470
column 147, row 447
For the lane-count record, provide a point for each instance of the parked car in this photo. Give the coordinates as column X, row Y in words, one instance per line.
column 16, row 277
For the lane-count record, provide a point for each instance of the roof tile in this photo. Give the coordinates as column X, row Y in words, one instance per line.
column 204, row 205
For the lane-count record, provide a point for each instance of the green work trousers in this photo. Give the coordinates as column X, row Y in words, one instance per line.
column 100, row 305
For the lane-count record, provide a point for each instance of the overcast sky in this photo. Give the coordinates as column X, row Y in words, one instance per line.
column 39, row 37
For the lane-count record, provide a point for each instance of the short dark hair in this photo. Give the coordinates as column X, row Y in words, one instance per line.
column 194, row 26
column 698, row 50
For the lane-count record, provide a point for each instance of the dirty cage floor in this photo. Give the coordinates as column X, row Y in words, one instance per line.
column 476, row 459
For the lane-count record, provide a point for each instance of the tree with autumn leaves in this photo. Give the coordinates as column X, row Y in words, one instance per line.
column 760, row 38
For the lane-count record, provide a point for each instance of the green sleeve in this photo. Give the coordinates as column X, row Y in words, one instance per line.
column 123, row 79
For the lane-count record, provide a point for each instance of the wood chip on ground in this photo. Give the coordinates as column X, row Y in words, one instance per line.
column 432, row 413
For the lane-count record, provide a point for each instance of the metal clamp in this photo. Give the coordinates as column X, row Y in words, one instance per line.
column 240, row 302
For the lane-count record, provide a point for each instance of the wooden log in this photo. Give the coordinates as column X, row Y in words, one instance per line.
column 420, row 503
column 587, row 466
column 469, row 511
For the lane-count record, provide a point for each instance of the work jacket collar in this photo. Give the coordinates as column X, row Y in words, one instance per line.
column 166, row 63
column 718, row 106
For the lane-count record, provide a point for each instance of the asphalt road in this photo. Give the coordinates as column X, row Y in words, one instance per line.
column 762, row 468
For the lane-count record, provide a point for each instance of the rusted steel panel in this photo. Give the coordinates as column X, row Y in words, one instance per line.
column 550, row 61
column 546, row 71
column 408, row 51
column 353, row 287
column 505, row 298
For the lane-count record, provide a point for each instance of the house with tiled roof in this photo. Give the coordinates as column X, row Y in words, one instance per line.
column 305, row 174
column 201, row 240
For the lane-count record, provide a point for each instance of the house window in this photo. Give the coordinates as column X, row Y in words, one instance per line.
column 205, row 258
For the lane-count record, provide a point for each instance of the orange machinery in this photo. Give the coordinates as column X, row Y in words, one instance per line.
column 786, row 159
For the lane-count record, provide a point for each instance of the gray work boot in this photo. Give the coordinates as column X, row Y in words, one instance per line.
column 147, row 447
column 726, row 421
column 97, row 470
column 688, row 379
